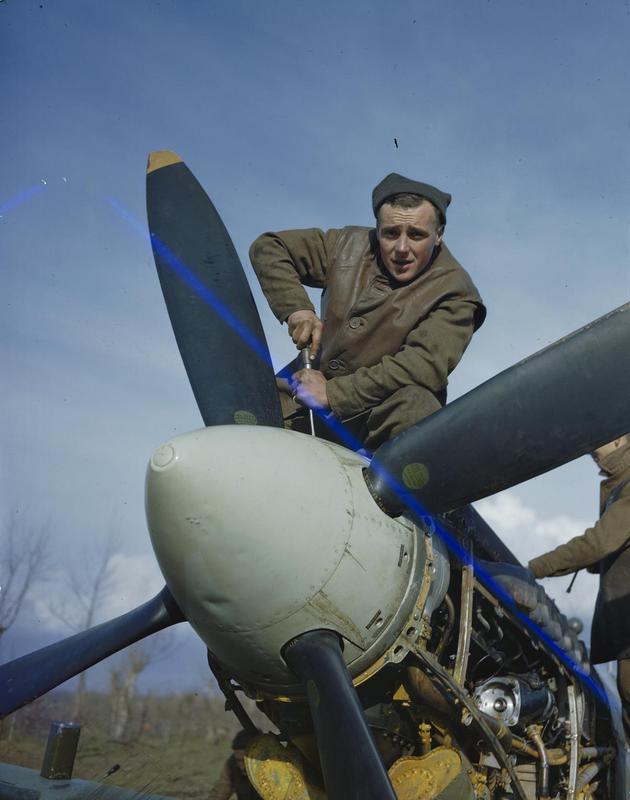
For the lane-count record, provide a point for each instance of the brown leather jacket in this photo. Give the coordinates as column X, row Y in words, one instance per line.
column 610, row 533
column 378, row 335
column 604, row 548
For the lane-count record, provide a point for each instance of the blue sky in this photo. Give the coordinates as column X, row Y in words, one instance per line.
column 287, row 113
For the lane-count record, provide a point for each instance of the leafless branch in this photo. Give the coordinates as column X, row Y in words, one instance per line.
column 89, row 581
column 24, row 556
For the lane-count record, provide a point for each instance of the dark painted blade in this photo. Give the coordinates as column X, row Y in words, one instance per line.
column 560, row 403
column 31, row 676
column 351, row 763
column 212, row 311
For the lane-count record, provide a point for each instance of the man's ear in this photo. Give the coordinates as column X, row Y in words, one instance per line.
column 440, row 234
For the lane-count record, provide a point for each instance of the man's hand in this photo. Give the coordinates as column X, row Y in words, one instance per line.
column 309, row 388
column 305, row 328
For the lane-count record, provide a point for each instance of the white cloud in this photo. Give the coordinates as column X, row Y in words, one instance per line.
column 137, row 579
column 525, row 532
column 506, row 512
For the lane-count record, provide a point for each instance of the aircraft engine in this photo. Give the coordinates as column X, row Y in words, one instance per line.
column 252, row 570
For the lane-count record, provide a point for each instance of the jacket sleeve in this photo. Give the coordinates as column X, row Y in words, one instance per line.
column 609, row 534
column 430, row 352
column 285, row 261
column 222, row 789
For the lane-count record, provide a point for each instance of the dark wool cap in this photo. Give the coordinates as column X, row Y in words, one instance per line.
column 398, row 184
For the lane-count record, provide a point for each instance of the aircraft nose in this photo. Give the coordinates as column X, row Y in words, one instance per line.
column 236, row 529
column 254, row 558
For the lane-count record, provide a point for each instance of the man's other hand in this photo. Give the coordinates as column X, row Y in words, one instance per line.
column 305, row 328
column 309, row 388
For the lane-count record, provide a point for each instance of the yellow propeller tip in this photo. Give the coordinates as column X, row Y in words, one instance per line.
column 161, row 158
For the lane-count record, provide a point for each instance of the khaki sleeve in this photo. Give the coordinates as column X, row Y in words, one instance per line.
column 431, row 351
column 285, row 261
column 222, row 789
column 609, row 534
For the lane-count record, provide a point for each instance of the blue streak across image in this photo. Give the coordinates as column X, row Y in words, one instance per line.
column 197, row 285
column 21, row 197
column 416, row 510
column 201, row 290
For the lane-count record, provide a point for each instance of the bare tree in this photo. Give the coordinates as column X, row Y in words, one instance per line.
column 89, row 583
column 24, row 557
column 123, row 680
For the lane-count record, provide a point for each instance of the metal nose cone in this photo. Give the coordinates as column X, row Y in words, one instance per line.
column 263, row 534
column 239, row 533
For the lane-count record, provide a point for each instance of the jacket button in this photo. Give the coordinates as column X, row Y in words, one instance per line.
column 355, row 322
column 333, row 364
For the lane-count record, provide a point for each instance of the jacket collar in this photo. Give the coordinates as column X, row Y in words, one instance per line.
column 615, row 468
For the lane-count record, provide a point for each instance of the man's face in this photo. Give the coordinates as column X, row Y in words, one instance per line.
column 407, row 238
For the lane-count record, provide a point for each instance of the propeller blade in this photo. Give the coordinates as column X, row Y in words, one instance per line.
column 212, row 311
column 29, row 677
column 556, row 405
column 351, row 763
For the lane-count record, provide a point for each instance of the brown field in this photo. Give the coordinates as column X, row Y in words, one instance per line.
column 174, row 745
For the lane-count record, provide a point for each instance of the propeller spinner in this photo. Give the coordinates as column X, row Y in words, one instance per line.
column 252, row 570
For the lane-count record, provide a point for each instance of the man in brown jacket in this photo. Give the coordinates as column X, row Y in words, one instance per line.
column 605, row 548
column 398, row 311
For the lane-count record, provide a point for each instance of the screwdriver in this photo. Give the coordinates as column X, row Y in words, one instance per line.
column 305, row 358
